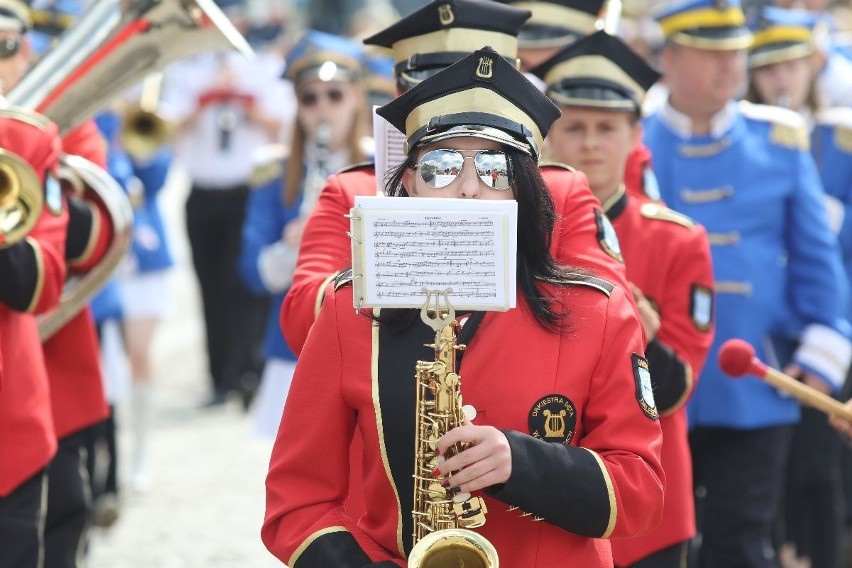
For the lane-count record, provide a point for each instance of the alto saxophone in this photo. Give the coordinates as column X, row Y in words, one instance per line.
column 441, row 519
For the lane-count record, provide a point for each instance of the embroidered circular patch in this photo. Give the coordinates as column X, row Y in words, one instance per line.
column 644, row 390
column 553, row 418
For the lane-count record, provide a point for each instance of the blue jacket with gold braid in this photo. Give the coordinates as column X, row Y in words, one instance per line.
column 831, row 146
column 754, row 186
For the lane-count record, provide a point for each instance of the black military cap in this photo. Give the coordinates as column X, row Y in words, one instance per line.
column 444, row 31
column 14, row 16
column 481, row 96
column 555, row 23
column 598, row 71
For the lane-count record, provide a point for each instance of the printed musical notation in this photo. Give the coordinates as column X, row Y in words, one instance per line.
column 403, row 245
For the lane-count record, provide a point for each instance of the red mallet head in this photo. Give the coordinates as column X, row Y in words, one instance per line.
column 736, row 358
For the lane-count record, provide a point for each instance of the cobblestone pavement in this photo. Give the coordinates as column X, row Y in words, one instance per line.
column 205, row 505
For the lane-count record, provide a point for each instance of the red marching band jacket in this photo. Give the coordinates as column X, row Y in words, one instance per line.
column 72, row 354
column 32, row 272
column 667, row 256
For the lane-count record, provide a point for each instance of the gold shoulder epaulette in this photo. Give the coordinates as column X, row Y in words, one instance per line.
column 358, row 166
column 663, row 213
column 268, row 162
column 840, row 119
column 24, row 115
column 788, row 127
column 558, row 165
column 578, row 279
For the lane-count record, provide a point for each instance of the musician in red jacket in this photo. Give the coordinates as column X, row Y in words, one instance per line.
column 32, row 272
column 423, row 43
column 599, row 83
column 566, row 430
column 72, row 356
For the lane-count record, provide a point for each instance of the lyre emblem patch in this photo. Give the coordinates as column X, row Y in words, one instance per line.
column 485, row 69
column 445, row 14
column 553, row 418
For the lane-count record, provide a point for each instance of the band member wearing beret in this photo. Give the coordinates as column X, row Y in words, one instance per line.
column 571, row 349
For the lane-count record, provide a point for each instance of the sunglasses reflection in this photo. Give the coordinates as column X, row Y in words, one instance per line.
column 440, row 168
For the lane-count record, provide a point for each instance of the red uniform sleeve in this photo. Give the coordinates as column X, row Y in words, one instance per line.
column 325, row 250
column 680, row 348
column 305, row 524
column 577, row 239
column 87, row 142
column 612, row 484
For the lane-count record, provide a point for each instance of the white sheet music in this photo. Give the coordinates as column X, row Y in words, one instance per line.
column 389, row 143
column 402, row 245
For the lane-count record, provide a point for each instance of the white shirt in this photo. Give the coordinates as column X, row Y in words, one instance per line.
column 212, row 159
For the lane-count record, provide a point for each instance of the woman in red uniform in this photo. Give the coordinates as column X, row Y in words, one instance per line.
column 572, row 348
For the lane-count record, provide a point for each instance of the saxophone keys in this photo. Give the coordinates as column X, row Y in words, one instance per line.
column 461, row 497
column 436, row 491
column 469, row 412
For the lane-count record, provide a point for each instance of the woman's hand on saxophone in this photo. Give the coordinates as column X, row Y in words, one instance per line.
column 486, row 459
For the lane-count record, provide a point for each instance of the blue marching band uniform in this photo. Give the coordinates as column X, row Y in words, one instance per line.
column 266, row 262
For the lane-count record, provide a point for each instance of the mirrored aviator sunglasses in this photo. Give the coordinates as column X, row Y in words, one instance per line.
column 440, row 168
column 10, row 46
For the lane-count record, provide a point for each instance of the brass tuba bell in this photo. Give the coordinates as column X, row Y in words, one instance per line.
column 21, row 198
column 113, row 46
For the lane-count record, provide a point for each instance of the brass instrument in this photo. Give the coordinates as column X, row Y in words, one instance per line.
column 144, row 130
column 88, row 177
column 112, row 46
column 21, row 198
column 442, row 520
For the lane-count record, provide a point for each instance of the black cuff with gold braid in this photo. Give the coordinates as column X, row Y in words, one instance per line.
column 20, row 268
column 670, row 376
column 81, row 220
column 562, row 485
column 338, row 548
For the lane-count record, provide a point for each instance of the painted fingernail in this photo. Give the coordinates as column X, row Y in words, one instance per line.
column 445, row 483
column 437, row 451
column 436, row 472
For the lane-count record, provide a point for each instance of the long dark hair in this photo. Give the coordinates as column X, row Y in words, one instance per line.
column 536, row 220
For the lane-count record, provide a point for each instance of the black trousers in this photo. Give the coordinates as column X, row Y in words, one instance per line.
column 738, row 477
column 69, row 505
column 671, row 557
column 813, row 504
column 234, row 318
column 22, row 524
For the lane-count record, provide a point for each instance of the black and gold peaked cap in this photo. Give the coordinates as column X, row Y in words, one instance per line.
column 481, row 96
column 555, row 23
column 442, row 32
column 598, row 71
